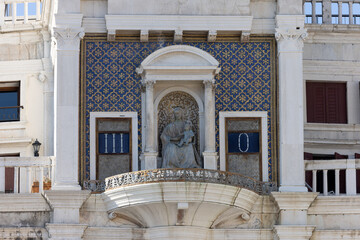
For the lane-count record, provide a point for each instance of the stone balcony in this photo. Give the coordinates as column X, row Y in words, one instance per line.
column 181, row 197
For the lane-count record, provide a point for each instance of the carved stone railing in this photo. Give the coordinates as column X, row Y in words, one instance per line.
column 183, row 175
column 26, row 172
column 344, row 173
column 95, row 186
column 20, row 14
column 332, row 11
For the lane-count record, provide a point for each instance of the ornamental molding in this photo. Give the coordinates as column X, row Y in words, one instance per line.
column 291, row 35
column 179, row 63
column 68, row 39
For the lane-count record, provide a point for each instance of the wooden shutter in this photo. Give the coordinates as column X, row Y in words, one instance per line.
column 336, row 111
column 326, row 102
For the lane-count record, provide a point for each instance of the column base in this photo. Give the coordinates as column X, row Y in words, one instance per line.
column 291, row 232
column 150, row 160
column 66, row 231
column 66, row 205
column 210, row 160
column 293, row 206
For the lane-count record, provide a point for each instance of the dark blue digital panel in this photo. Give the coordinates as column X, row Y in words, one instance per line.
column 243, row 142
column 9, row 99
column 110, row 143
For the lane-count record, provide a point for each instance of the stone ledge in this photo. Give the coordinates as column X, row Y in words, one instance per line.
column 285, row 232
column 23, row 233
column 175, row 232
column 29, row 202
column 335, row 234
column 335, row 205
column 66, row 231
column 293, row 200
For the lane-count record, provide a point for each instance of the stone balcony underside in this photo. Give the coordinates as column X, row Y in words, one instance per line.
column 192, row 197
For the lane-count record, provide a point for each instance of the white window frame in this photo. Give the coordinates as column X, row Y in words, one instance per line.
column 264, row 137
column 134, row 135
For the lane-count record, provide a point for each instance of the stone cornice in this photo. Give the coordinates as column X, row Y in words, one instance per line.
column 335, row 205
column 29, row 202
column 66, row 199
column 66, row 231
column 293, row 200
column 293, row 232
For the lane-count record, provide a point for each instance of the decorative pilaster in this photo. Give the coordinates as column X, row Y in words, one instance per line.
column 290, row 35
column 210, row 155
column 293, row 208
column 150, row 155
column 67, row 107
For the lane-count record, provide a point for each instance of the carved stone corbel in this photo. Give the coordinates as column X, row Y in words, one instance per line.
column 144, row 35
column 212, row 36
column 111, row 35
column 245, row 37
column 178, row 35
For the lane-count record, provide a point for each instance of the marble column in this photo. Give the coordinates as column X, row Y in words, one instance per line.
column 210, row 155
column 290, row 34
column 150, row 155
column 67, row 107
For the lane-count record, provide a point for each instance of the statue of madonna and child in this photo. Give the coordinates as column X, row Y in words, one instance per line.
column 178, row 144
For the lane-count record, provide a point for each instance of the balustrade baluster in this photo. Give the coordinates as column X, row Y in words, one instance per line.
column 38, row 15
column 14, row 13
column 41, row 180
column 2, row 12
column 26, row 12
column 313, row 11
column 340, row 12
column 314, row 180
column 325, row 180
column 29, row 180
column 351, row 16
column 2, row 179
column 337, row 182
column 16, row 179
column 326, row 11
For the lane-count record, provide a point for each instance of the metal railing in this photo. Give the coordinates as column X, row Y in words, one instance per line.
column 184, row 175
column 349, row 166
column 332, row 11
column 10, row 113
column 27, row 171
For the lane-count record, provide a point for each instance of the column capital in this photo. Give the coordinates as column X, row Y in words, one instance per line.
column 68, row 39
column 209, row 83
column 149, row 84
column 294, row 36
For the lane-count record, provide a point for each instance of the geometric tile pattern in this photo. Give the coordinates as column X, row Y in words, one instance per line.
column 245, row 81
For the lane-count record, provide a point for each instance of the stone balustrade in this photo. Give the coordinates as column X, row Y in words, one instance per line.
column 332, row 11
column 336, row 174
column 27, row 170
column 181, row 175
column 20, row 13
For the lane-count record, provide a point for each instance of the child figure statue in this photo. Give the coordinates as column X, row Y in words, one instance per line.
column 188, row 135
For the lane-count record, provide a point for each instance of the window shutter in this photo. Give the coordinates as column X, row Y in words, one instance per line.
column 315, row 99
column 336, row 111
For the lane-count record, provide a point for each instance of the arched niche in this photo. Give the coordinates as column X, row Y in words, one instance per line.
column 178, row 68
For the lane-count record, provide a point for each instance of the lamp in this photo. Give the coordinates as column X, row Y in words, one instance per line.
column 36, row 146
